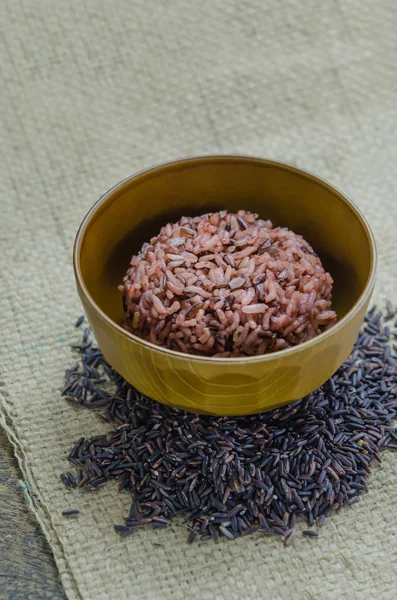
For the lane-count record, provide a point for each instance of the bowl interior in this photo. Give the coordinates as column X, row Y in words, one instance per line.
column 135, row 210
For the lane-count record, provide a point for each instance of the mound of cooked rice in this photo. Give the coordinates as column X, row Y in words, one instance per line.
column 227, row 285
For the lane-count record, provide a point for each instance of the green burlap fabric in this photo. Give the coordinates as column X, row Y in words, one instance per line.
column 92, row 91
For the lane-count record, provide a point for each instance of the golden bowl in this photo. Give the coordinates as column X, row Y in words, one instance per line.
column 134, row 211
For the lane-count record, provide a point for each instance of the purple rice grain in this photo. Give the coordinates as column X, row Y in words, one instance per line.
column 70, row 512
column 79, row 321
column 231, row 476
column 310, row 533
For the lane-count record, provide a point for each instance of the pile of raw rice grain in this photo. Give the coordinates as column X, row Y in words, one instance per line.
column 227, row 285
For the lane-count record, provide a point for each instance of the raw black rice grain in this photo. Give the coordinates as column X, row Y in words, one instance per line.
column 232, row 476
column 79, row 321
column 310, row 533
column 65, row 480
column 123, row 530
column 70, row 512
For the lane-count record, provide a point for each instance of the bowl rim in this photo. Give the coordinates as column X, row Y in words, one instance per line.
column 367, row 290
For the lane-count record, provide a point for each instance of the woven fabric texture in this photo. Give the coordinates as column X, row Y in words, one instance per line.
column 92, row 91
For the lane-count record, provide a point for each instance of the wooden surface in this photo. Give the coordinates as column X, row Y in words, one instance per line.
column 27, row 567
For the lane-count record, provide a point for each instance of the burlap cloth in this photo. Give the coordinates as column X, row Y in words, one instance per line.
column 92, row 91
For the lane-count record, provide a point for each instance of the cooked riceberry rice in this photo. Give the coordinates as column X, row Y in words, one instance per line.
column 227, row 285
column 232, row 476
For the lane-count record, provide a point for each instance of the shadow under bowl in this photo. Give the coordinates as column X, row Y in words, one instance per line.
column 134, row 211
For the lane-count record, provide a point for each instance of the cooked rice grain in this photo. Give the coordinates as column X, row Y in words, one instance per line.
column 229, row 285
